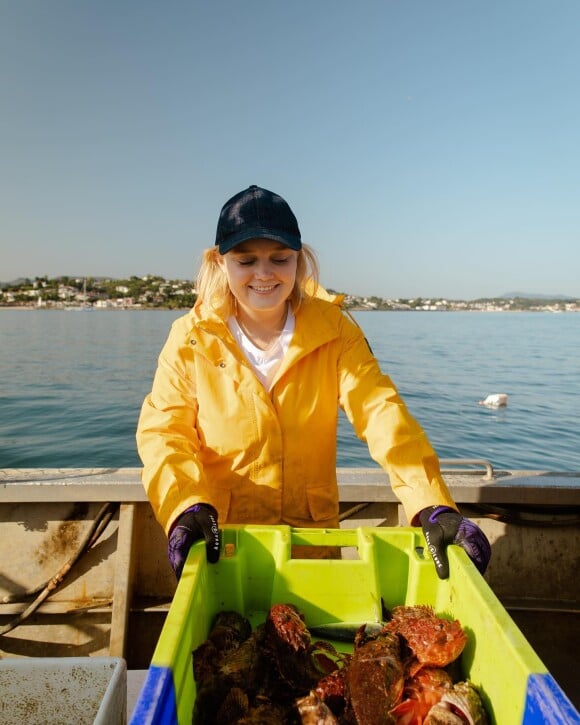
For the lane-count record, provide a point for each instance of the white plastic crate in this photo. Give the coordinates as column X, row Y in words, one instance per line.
column 62, row 690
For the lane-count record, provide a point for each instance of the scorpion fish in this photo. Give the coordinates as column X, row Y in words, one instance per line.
column 432, row 640
column 374, row 679
column 300, row 662
column 331, row 689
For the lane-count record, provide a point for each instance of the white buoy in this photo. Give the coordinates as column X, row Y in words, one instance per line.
column 495, row 400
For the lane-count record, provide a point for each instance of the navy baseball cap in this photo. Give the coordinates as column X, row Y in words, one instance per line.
column 256, row 213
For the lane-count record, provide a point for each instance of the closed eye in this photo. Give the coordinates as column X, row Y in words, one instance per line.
column 276, row 260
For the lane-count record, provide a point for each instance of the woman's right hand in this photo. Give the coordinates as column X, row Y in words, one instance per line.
column 196, row 523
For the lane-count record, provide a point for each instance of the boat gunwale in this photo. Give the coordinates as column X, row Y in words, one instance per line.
column 37, row 485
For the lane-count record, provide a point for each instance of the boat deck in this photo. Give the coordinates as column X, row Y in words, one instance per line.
column 115, row 597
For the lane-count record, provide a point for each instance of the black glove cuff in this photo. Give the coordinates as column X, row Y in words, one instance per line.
column 430, row 514
column 196, row 508
column 188, row 517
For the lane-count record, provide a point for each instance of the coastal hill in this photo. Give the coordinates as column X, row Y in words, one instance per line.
column 156, row 292
column 538, row 296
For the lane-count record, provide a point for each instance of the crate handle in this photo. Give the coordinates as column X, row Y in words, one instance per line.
column 325, row 537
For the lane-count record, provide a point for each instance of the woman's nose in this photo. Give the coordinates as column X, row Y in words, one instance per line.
column 263, row 269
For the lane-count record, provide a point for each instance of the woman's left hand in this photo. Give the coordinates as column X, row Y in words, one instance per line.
column 443, row 526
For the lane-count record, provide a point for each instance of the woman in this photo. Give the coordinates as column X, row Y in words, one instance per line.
column 240, row 426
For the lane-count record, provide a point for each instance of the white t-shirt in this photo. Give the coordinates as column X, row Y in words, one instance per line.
column 264, row 362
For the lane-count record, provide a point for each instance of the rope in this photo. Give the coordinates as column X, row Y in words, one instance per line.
column 92, row 535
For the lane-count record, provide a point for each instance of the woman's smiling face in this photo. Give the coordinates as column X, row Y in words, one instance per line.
column 261, row 274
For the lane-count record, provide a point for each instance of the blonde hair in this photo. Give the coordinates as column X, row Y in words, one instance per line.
column 213, row 289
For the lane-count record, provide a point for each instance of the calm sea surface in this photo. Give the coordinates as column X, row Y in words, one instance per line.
column 72, row 383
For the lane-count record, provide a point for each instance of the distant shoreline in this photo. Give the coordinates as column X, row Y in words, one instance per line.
column 154, row 292
column 136, row 308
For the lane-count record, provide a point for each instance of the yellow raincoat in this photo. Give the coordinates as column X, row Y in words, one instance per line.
column 210, row 432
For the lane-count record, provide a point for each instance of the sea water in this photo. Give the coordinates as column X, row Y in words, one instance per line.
column 72, row 384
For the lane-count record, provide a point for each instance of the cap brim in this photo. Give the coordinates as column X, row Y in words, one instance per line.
column 288, row 240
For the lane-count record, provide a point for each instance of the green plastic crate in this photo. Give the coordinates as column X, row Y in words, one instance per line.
column 256, row 570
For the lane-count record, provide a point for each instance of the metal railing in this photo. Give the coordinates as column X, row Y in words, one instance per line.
column 489, row 475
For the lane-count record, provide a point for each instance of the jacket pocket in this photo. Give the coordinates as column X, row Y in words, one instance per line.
column 323, row 503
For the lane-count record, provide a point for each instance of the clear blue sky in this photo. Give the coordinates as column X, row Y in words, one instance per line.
column 427, row 147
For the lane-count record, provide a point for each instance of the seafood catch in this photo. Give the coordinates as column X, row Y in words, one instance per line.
column 256, row 677
column 228, row 632
column 314, row 711
column 421, row 692
column 397, row 674
column 299, row 662
column 433, row 641
column 375, row 679
column 458, row 706
column 332, row 690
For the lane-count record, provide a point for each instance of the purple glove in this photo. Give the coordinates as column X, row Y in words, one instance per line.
column 442, row 526
column 196, row 523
